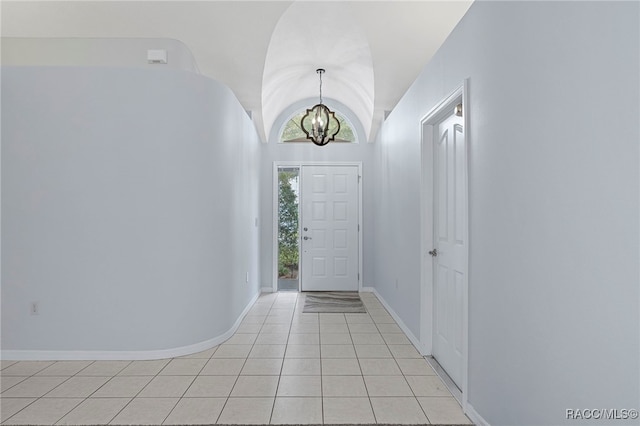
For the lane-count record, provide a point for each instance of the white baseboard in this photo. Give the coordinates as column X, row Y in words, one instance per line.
column 469, row 411
column 29, row 355
column 416, row 342
column 475, row 417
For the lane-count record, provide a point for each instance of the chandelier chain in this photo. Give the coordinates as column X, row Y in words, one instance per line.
column 320, row 71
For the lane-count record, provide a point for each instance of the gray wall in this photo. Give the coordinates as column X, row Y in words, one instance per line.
column 129, row 201
column 554, row 183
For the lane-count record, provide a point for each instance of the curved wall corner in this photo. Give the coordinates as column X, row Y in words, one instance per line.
column 129, row 203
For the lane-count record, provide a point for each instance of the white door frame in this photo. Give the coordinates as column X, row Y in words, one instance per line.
column 431, row 119
column 274, row 228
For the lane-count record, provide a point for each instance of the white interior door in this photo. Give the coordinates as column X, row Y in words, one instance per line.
column 329, row 228
column 449, row 269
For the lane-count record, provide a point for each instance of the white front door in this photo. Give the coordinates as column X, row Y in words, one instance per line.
column 449, row 268
column 329, row 228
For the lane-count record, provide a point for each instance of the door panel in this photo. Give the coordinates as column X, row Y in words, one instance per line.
column 330, row 211
column 449, row 236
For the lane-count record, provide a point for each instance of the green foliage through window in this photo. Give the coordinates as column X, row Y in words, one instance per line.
column 288, row 224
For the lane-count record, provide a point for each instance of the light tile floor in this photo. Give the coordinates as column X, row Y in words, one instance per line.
column 282, row 366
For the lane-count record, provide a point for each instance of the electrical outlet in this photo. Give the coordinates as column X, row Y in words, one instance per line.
column 396, row 283
column 34, row 309
column 247, row 278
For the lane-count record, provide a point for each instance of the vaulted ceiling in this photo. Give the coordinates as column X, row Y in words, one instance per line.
column 267, row 51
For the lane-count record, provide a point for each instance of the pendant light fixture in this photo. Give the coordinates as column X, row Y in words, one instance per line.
column 320, row 123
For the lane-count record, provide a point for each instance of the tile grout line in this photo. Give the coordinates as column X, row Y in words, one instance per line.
column 26, row 378
column 404, row 376
column 190, row 384
column 139, row 392
column 321, row 381
column 145, row 386
column 100, row 387
column 15, row 384
column 375, row 419
column 105, row 383
column 245, row 359
column 14, row 414
column 78, row 404
column 392, row 357
column 37, row 398
column 286, row 347
column 402, row 372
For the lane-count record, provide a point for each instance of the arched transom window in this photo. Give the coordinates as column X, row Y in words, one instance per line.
column 291, row 132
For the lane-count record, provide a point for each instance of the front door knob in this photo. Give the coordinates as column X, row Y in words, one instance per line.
column 306, row 238
column 434, row 252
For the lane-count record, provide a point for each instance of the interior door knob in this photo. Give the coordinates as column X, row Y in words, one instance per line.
column 434, row 252
column 306, row 238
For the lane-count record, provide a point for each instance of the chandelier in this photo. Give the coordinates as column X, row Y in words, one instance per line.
column 320, row 123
